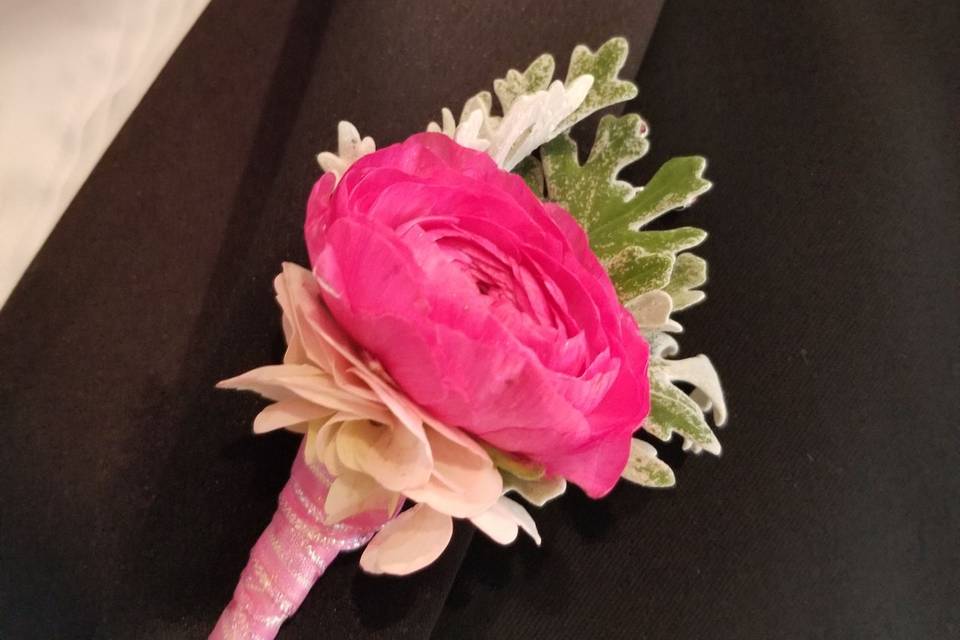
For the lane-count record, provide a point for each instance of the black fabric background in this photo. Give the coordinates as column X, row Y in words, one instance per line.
column 132, row 491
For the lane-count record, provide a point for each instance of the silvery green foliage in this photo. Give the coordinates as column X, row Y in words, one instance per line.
column 645, row 468
column 613, row 211
column 537, row 77
column 604, row 66
column 535, row 118
column 535, row 108
column 653, row 271
column 531, row 171
column 672, row 410
column 350, row 148
column 536, row 491
column 528, row 120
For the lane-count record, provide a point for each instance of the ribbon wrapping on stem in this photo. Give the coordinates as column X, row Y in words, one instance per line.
column 291, row 555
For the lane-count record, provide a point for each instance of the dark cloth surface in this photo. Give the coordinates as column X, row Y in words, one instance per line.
column 132, row 491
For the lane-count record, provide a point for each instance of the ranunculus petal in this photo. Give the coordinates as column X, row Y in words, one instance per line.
column 487, row 309
column 595, row 469
column 409, row 542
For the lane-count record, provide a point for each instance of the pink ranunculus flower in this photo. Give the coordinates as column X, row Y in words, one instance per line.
column 484, row 304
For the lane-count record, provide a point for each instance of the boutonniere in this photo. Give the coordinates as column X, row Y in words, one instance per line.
column 485, row 319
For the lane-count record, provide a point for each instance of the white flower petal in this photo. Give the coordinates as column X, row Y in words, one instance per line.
column 390, row 454
column 499, row 526
column 286, row 414
column 405, row 411
column 521, row 516
column 409, row 542
column 503, row 520
column 267, row 381
column 461, row 484
column 354, row 493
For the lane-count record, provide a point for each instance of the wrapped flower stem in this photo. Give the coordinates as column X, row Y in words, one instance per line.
column 291, row 555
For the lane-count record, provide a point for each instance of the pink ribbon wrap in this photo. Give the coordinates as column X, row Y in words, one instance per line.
column 290, row 555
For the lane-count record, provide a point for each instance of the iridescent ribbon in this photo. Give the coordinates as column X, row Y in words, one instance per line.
column 290, row 555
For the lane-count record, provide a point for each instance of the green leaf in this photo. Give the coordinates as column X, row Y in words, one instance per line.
column 521, row 469
column 537, row 492
column 608, row 208
column 689, row 272
column 604, row 65
column 672, row 240
column 591, row 192
column 699, row 372
column 652, row 310
column 673, row 411
column 634, row 272
column 612, row 211
column 646, row 469
column 482, row 101
column 676, row 184
column 532, row 173
column 537, row 77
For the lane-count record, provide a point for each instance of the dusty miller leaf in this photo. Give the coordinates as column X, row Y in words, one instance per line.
column 521, row 469
column 591, row 190
column 699, row 372
column 612, row 211
column 662, row 345
column 652, row 310
column 604, row 65
column 689, row 272
column 675, row 185
column 645, row 468
column 634, row 272
column 532, row 173
column 671, row 240
column 673, row 411
column 537, row 77
column 536, row 492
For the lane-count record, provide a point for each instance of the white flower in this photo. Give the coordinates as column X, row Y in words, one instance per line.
column 379, row 447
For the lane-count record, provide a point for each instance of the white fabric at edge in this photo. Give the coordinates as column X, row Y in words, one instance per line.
column 71, row 72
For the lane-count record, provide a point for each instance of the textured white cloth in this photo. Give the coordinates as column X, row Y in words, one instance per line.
column 71, row 72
